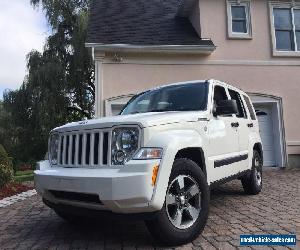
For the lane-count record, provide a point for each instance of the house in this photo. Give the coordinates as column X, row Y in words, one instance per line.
column 252, row 44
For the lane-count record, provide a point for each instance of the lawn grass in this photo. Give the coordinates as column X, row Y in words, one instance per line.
column 22, row 176
column 25, row 172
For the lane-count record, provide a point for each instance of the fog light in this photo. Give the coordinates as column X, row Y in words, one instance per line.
column 120, row 157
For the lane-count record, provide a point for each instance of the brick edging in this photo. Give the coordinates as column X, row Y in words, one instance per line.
column 15, row 198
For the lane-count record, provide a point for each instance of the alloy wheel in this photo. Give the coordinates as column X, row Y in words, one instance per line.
column 183, row 202
column 257, row 171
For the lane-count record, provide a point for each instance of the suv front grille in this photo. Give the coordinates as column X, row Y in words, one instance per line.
column 83, row 149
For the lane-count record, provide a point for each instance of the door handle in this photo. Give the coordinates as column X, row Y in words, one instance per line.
column 235, row 124
column 250, row 125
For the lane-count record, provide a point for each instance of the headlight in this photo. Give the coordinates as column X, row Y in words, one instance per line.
column 148, row 153
column 124, row 144
column 53, row 149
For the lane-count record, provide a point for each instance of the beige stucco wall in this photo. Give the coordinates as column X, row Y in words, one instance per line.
column 281, row 81
column 248, row 64
column 215, row 27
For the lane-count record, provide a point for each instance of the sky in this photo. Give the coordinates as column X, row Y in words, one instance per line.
column 22, row 28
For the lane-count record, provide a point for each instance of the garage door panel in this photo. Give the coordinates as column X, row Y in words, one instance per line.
column 268, row 147
column 264, row 121
column 268, row 154
column 268, row 139
column 264, row 116
column 269, row 163
column 265, row 125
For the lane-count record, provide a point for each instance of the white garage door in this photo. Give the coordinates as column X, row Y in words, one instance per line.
column 264, row 116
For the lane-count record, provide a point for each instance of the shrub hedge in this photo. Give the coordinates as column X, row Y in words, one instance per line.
column 6, row 167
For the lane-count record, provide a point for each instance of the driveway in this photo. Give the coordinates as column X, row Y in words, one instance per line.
column 31, row 225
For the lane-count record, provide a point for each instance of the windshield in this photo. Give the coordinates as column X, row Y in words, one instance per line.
column 183, row 97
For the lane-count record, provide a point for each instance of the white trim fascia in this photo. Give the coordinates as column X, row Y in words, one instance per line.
column 179, row 49
column 286, row 53
column 293, row 143
column 99, row 86
column 191, row 61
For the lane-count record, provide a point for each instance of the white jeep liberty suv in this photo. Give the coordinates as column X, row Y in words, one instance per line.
column 158, row 159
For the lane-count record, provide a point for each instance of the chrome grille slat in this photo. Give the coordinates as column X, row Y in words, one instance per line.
column 100, row 149
column 70, row 149
column 59, row 149
column 109, row 146
column 83, row 154
column 76, row 149
column 73, row 150
column 64, row 150
column 92, row 145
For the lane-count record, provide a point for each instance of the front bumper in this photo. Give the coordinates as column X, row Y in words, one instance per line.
column 127, row 189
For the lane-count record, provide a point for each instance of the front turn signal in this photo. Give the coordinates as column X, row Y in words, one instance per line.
column 154, row 174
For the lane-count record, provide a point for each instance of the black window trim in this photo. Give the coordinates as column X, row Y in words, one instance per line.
column 213, row 95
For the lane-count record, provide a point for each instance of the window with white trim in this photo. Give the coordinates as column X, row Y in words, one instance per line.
column 239, row 19
column 286, row 25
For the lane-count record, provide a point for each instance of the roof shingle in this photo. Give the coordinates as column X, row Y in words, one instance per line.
column 140, row 22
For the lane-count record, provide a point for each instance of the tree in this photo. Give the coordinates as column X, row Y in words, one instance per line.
column 6, row 169
column 59, row 86
column 68, row 19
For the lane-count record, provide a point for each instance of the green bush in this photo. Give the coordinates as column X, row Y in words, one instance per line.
column 6, row 168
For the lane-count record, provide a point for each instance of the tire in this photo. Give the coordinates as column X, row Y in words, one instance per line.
column 193, row 206
column 252, row 182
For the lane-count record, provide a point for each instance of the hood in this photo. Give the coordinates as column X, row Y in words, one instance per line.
column 143, row 120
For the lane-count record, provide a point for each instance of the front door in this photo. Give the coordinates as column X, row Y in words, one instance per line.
column 223, row 141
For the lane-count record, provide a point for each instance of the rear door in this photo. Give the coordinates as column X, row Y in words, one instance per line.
column 243, row 129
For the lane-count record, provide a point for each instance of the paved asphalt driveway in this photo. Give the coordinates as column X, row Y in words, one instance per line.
column 31, row 225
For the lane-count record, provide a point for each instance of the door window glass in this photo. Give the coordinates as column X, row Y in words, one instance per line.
column 219, row 94
column 241, row 109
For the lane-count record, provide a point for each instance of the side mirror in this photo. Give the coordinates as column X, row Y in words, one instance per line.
column 226, row 107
